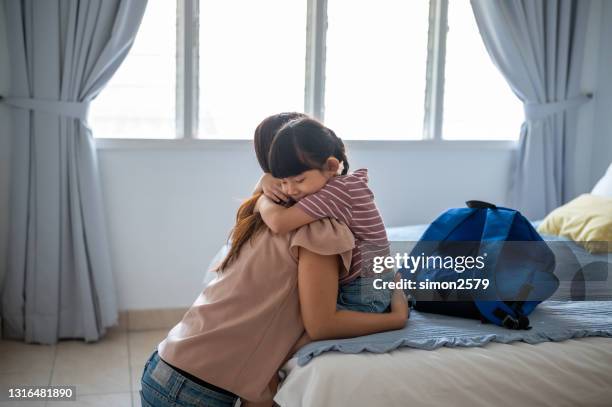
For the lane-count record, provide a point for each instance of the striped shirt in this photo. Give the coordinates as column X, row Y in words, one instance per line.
column 349, row 199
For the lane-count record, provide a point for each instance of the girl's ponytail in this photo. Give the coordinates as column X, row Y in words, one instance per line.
column 340, row 152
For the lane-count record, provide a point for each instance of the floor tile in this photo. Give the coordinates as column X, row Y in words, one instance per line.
column 135, row 375
column 97, row 400
column 23, row 379
column 18, row 357
column 141, row 345
column 105, row 373
column 94, row 368
column 136, row 399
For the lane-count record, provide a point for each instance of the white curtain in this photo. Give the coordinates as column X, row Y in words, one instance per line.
column 538, row 46
column 59, row 281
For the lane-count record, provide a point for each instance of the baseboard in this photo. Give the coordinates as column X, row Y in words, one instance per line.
column 150, row 319
column 144, row 320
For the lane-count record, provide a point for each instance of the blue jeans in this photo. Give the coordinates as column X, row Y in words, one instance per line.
column 164, row 386
column 360, row 294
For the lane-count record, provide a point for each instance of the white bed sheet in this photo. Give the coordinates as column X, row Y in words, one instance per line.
column 576, row 372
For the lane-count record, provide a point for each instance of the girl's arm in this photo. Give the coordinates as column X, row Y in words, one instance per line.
column 318, row 290
column 280, row 219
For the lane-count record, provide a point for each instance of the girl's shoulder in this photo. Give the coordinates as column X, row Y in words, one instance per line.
column 348, row 182
column 356, row 177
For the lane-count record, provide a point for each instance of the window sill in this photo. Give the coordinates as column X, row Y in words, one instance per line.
column 247, row 144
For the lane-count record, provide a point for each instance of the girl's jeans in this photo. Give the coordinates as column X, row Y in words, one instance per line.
column 361, row 295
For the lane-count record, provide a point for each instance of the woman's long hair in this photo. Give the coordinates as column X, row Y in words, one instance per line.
column 248, row 223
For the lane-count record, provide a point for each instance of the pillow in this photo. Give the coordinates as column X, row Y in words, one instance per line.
column 604, row 185
column 587, row 220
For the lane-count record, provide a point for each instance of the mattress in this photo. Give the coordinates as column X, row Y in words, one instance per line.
column 576, row 372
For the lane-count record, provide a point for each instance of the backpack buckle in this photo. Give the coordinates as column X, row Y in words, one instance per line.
column 510, row 322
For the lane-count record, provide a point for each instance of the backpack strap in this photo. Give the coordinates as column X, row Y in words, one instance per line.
column 495, row 232
column 496, row 229
column 517, row 305
column 497, row 225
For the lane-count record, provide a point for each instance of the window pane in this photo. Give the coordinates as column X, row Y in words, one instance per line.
column 139, row 100
column 375, row 68
column 252, row 61
column 478, row 102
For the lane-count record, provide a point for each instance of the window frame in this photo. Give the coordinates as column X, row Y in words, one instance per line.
column 187, row 89
column 187, row 69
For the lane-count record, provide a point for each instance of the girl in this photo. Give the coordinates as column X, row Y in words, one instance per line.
column 311, row 162
column 248, row 321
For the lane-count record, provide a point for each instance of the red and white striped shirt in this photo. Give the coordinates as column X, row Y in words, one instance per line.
column 349, row 199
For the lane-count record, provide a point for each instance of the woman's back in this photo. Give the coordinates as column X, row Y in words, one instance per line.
column 240, row 329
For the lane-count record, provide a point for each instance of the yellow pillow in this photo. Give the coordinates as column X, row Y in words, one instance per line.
column 587, row 220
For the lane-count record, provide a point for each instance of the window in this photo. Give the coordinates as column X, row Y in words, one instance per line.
column 478, row 102
column 251, row 63
column 375, row 68
column 391, row 69
column 139, row 100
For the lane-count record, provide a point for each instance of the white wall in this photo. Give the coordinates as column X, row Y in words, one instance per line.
column 170, row 209
column 4, row 146
column 602, row 141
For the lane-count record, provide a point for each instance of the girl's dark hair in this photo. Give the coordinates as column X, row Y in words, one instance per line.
column 249, row 223
column 265, row 132
column 304, row 144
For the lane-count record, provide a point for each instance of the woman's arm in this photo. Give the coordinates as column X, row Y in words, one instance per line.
column 318, row 290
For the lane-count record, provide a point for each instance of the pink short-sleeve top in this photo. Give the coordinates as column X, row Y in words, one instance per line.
column 243, row 325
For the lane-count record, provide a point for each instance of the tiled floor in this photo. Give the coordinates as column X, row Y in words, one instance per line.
column 105, row 373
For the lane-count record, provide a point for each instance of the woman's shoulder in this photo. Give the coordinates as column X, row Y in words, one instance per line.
column 324, row 236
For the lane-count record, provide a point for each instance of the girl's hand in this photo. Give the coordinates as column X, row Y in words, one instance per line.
column 399, row 304
column 260, row 201
column 271, row 188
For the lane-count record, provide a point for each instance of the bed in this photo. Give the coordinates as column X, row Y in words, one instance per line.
column 573, row 372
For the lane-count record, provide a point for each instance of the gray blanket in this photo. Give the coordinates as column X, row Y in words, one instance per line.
column 551, row 321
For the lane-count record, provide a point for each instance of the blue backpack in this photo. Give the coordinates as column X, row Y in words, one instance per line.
column 518, row 266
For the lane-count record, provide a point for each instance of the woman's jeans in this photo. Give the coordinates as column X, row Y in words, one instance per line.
column 164, row 386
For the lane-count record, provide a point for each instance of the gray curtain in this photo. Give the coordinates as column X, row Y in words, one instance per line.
column 59, row 281
column 538, row 46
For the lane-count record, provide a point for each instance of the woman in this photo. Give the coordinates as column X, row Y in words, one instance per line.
column 249, row 320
